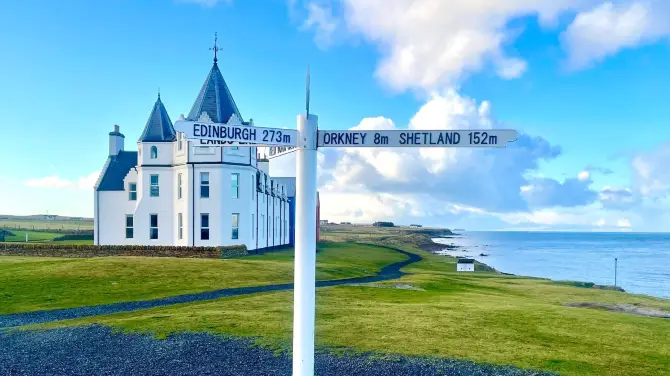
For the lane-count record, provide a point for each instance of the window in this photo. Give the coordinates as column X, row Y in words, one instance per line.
column 154, row 191
column 178, row 186
column 153, row 226
column 132, row 191
column 203, row 150
column 236, row 225
column 129, row 226
column 235, row 185
column 180, row 226
column 154, row 152
column 253, row 225
column 204, row 226
column 253, row 188
column 180, row 139
column 204, row 184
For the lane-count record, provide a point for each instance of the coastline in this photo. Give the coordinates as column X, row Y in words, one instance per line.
column 438, row 248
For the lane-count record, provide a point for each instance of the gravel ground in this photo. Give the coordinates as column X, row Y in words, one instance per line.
column 97, row 350
column 37, row 317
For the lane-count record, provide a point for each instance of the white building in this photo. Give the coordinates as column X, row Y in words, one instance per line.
column 465, row 265
column 177, row 192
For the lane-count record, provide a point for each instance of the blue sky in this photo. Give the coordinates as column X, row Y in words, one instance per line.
column 584, row 80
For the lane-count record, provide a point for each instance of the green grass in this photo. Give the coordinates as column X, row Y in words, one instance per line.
column 46, row 225
column 33, row 236
column 484, row 317
column 33, row 283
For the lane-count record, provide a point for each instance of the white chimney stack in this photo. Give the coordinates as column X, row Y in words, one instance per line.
column 115, row 141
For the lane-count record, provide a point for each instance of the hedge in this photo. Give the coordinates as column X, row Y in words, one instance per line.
column 73, row 237
column 88, row 250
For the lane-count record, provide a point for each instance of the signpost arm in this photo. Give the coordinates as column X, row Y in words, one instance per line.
column 305, row 248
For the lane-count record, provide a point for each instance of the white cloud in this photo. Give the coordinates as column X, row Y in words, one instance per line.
column 320, row 19
column 584, row 176
column 56, row 182
column 363, row 184
column 610, row 27
column 434, row 44
column 623, row 223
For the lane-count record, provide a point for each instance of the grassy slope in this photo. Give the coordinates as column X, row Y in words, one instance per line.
column 28, row 284
column 33, row 236
column 483, row 316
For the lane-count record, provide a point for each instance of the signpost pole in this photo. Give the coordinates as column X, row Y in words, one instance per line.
column 305, row 248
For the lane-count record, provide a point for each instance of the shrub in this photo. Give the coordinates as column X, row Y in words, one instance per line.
column 233, row 251
column 73, row 237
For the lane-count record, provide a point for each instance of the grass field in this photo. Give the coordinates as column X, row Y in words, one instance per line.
column 485, row 317
column 28, row 284
column 33, row 236
column 45, row 225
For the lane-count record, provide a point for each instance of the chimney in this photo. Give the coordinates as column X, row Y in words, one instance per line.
column 115, row 142
column 263, row 165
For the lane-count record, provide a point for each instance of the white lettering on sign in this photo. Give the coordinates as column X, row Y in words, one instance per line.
column 493, row 138
column 278, row 151
column 237, row 134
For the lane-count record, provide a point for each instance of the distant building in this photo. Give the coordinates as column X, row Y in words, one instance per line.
column 465, row 265
column 383, row 224
column 415, row 226
column 323, row 221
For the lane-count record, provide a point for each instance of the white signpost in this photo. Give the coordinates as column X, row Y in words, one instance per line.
column 305, row 142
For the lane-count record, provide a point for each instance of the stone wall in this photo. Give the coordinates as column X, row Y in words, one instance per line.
column 85, row 250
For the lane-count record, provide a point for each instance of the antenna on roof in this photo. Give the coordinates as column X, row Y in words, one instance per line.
column 215, row 48
column 307, row 94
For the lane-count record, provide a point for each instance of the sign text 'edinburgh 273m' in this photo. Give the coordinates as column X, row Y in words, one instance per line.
column 243, row 135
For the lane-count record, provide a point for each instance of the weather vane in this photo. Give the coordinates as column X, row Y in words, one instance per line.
column 215, row 48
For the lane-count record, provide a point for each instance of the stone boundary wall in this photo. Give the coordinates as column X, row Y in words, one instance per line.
column 86, row 250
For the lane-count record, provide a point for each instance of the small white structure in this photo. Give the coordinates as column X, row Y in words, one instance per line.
column 465, row 265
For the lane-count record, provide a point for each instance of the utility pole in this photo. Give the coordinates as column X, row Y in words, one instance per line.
column 615, row 267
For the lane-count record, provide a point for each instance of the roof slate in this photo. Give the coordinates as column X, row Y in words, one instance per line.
column 214, row 99
column 159, row 126
column 117, row 169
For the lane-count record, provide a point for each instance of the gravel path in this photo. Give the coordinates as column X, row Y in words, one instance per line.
column 37, row 317
column 97, row 350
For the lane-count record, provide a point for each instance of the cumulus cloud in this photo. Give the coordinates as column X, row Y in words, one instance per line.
column 651, row 173
column 56, row 182
column 436, row 184
column 432, row 44
column 610, row 27
column 617, row 198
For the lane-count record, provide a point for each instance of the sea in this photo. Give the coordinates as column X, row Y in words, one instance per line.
column 643, row 259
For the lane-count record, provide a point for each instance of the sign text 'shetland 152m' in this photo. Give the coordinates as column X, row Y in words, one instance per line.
column 417, row 138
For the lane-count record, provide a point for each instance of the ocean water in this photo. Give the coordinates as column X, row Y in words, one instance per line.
column 643, row 258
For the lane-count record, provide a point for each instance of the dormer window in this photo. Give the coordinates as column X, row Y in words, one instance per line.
column 154, row 152
column 180, row 139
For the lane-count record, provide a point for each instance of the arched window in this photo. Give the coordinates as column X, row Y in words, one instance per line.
column 154, row 152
